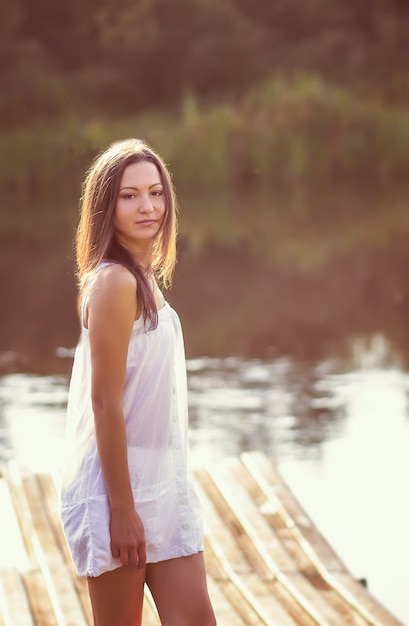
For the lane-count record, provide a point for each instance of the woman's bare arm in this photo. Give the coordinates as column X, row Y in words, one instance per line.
column 111, row 314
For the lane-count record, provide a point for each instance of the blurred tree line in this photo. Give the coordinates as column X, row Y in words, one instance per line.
column 286, row 103
column 116, row 57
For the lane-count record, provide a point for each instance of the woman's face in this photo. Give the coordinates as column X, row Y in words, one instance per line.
column 140, row 206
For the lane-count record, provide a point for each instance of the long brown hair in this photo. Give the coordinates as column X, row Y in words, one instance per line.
column 96, row 241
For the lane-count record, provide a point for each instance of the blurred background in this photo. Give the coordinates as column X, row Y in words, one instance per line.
column 286, row 127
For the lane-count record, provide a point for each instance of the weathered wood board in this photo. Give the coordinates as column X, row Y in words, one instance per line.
column 267, row 563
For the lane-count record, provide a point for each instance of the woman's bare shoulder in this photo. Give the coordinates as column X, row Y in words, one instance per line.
column 114, row 275
column 113, row 287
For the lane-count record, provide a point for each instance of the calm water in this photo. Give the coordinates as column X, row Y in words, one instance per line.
column 338, row 430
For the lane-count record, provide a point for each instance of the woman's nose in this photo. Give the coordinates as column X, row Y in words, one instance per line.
column 146, row 205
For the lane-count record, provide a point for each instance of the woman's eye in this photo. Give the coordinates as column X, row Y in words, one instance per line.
column 128, row 196
column 157, row 193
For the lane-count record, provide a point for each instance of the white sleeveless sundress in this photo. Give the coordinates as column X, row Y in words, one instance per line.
column 156, row 417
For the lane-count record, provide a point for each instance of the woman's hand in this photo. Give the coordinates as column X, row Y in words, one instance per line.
column 128, row 537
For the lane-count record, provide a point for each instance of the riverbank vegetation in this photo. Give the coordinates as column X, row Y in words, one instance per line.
column 238, row 96
column 294, row 136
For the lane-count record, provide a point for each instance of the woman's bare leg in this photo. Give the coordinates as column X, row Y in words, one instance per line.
column 117, row 597
column 179, row 589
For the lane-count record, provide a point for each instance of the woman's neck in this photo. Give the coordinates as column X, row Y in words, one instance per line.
column 142, row 255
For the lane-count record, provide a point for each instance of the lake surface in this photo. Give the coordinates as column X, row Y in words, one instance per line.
column 338, row 429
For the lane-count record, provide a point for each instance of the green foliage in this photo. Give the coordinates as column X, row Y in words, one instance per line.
column 117, row 58
column 309, row 131
column 290, row 134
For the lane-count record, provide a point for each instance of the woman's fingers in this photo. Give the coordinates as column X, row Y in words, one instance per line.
column 115, row 551
column 133, row 558
column 128, row 538
column 142, row 555
column 130, row 555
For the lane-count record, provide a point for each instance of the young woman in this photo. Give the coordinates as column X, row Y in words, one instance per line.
column 129, row 512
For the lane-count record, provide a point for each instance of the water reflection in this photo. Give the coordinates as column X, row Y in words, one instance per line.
column 258, row 275
column 32, row 410
column 285, row 407
column 235, row 403
column 356, row 491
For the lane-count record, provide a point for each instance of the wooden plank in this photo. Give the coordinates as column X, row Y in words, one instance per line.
column 219, row 489
column 40, row 603
column 319, row 598
column 216, row 526
column 229, row 569
column 266, row 468
column 353, row 611
column 37, row 592
column 244, row 602
column 298, row 598
column 308, row 564
column 50, row 499
column 224, row 611
column 267, row 563
column 295, row 587
column 14, row 604
column 231, row 511
column 22, row 511
column 358, row 591
column 55, row 571
column 12, row 549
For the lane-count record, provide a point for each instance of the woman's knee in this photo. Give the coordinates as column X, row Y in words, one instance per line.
column 204, row 616
column 200, row 614
column 209, row 619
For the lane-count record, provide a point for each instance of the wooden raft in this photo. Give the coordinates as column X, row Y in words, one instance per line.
column 267, row 563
